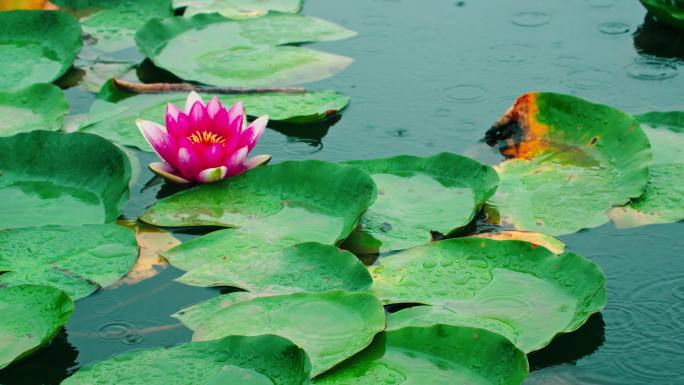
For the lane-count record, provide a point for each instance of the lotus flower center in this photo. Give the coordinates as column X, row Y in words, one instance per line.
column 207, row 137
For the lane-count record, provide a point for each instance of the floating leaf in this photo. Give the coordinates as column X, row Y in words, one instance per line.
column 509, row 287
column 554, row 245
column 114, row 112
column 669, row 12
column 36, row 47
column 195, row 315
column 663, row 200
column 75, row 259
column 8, row 5
column 232, row 360
column 239, row 9
column 417, row 196
column 31, row 317
column 51, row 178
column 246, row 55
column 330, row 326
column 38, row 107
column 438, row 355
column 304, row 267
column 152, row 242
column 572, row 161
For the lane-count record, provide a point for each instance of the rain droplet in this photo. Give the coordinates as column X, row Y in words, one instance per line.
column 590, row 79
column 652, row 69
column 464, row 93
column 530, row 19
column 614, row 28
column 121, row 331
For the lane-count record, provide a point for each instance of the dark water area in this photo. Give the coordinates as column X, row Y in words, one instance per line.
column 432, row 76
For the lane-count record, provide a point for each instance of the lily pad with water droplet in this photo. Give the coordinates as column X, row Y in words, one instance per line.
column 437, row 355
column 36, row 47
column 570, row 161
column 250, row 52
column 259, row 360
column 51, row 178
column 114, row 112
column 669, row 12
column 239, row 9
column 193, row 316
column 31, row 317
column 75, row 259
column 330, row 326
column 663, row 200
column 417, row 196
column 37, row 107
column 554, row 245
column 512, row 288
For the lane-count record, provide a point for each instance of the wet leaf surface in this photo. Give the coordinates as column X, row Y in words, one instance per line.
column 553, row 244
column 239, row 9
column 38, row 107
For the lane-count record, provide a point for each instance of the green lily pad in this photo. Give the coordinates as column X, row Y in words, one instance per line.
column 513, row 288
column 666, row 11
column 554, row 245
column 249, row 53
column 417, row 196
column 330, row 326
column 438, row 355
column 31, row 317
column 37, row 107
column 36, row 47
column 76, row 259
column 51, row 178
column 239, row 9
column 663, row 200
column 304, row 267
column 193, row 316
column 114, row 112
column 572, row 160
column 233, row 360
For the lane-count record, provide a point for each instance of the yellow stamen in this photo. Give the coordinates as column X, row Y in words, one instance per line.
column 207, row 137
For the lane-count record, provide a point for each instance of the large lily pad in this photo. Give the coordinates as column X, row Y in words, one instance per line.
column 513, row 288
column 31, row 317
column 76, row 259
column 51, row 178
column 663, row 200
column 669, row 12
column 262, row 360
column 36, row 47
column 238, row 9
column 304, row 267
column 417, row 196
column 250, row 52
column 330, row 326
column 38, row 107
column 193, row 316
column 114, row 112
column 438, row 355
column 572, row 160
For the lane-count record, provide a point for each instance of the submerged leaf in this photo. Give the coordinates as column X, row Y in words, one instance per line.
column 238, row 9
column 572, row 160
column 51, row 178
column 31, row 317
column 330, row 326
column 38, row 107
column 417, row 196
column 437, row 355
column 152, row 242
column 235, row 360
column 512, row 288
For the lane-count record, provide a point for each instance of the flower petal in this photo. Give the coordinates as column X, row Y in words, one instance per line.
column 199, row 120
column 212, row 174
column 188, row 163
column 214, row 106
column 253, row 133
column 235, row 162
column 256, row 161
column 166, row 172
column 180, row 127
column 213, row 155
column 236, row 117
column 193, row 97
column 171, row 112
column 155, row 135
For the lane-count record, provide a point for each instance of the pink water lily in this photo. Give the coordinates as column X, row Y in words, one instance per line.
column 204, row 143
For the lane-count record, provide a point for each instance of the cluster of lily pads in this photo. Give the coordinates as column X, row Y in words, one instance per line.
column 473, row 304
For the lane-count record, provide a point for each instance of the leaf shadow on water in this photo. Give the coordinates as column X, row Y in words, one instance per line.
column 654, row 38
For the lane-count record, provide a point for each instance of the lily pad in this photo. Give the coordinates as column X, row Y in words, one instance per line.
column 330, row 326
column 554, row 245
column 31, row 317
column 51, row 178
column 239, row 9
column 513, row 288
column 36, row 47
column 571, row 161
column 193, row 316
column 114, row 112
column 38, row 107
column 663, row 200
column 417, row 196
column 669, row 12
column 233, row 360
column 77, row 260
column 438, row 355
column 304, row 267
column 250, row 52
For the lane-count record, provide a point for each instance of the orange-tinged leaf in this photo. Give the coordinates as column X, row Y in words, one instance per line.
column 9, row 5
column 151, row 242
column 554, row 245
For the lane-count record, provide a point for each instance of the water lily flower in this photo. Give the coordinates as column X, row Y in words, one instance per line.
column 204, row 143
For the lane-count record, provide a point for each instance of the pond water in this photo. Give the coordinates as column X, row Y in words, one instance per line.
column 432, row 76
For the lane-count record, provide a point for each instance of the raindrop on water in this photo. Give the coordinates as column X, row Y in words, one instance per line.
column 530, row 19
column 652, row 69
column 614, row 28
